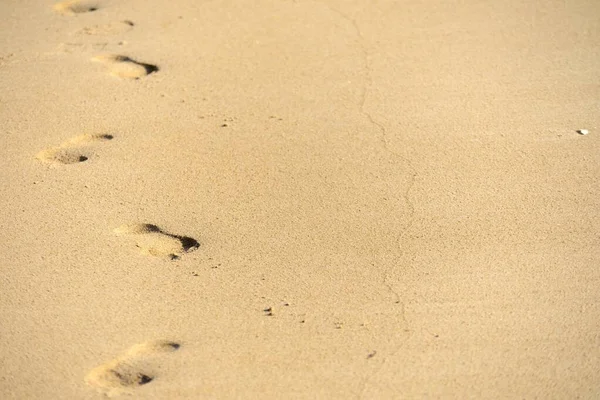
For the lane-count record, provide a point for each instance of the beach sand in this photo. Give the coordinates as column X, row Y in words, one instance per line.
column 299, row 199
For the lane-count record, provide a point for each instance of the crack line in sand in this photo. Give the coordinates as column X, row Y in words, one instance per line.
column 383, row 138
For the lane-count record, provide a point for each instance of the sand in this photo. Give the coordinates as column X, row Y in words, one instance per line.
column 299, row 199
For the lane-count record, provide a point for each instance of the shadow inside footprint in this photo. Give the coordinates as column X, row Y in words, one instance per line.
column 150, row 68
column 188, row 243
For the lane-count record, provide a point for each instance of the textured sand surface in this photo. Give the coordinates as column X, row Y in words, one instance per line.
column 305, row 199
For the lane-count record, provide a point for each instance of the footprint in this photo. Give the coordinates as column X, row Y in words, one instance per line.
column 77, row 47
column 74, row 150
column 136, row 367
column 124, row 67
column 108, row 29
column 72, row 7
column 155, row 242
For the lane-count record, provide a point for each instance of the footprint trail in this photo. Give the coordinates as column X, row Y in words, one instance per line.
column 125, row 67
column 155, row 242
column 74, row 150
column 136, row 367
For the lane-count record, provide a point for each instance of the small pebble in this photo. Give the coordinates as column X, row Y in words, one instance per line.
column 583, row 131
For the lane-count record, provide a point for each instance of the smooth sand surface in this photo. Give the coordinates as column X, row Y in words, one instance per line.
column 299, row 199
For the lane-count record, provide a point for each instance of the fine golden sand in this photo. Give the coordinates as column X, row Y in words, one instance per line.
column 300, row 199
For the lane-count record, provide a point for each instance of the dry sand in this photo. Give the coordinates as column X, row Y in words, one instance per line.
column 300, row 199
